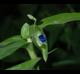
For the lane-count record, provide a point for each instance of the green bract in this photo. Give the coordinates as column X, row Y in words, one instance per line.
column 25, row 31
column 42, row 45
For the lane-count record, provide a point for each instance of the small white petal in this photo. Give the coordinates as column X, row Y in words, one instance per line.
column 31, row 17
column 29, row 40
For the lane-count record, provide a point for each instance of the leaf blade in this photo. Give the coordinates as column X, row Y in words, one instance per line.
column 7, row 48
column 59, row 19
column 10, row 40
column 28, row 65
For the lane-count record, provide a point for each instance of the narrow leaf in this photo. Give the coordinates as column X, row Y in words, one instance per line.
column 28, row 65
column 8, row 47
column 10, row 40
column 60, row 19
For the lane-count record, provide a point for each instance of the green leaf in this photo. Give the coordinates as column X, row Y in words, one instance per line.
column 60, row 19
column 7, row 47
column 10, row 40
column 25, row 31
column 27, row 65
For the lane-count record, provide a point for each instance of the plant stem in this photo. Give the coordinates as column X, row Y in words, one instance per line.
column 31, row 51
column 52, row 51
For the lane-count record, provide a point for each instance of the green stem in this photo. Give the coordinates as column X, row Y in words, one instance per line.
column 52, row 51
column 31, row 51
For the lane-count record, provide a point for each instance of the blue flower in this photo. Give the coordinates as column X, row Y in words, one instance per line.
column 42, row 38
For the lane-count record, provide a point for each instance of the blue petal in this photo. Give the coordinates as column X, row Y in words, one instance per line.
column 42, row 38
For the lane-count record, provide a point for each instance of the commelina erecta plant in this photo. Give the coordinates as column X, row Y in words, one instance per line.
column 31, row 35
